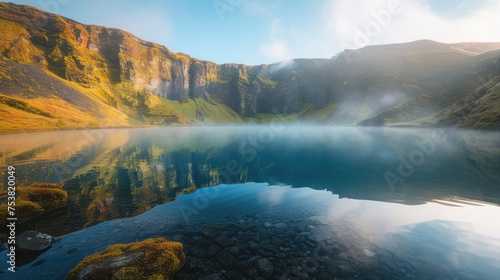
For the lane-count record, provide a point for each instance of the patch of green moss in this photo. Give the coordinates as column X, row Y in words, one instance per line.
column 161, row 259
column 34, row 200
column 21, row 105
column 45, row 185
column 322, row 114
column 267, row 82
column 214, row 112
column 25, row 210
column 48, row 196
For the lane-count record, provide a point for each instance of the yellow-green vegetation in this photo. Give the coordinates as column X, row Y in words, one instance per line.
column 65, row 82
column 207, row 111
column 488, row 113
column 98, row 210
column 67, row 75
column 21, row 105
column 36, row 199
column 25, row 210
column 211, row 73
column 48, row 196
column 13, row 42
column 268, row 82
column 190, row 189
column 34, row 99
column 185, row 58
column 11, row 31
column 157, row 258
column 405, row 112
column 160, row 111
column 308, row 114
column 269, row 118
column 47, row 114
column 147, row 106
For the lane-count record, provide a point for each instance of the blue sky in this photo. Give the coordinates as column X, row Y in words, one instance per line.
column 260, row 31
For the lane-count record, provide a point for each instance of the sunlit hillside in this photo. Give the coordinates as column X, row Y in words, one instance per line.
column 56, row 73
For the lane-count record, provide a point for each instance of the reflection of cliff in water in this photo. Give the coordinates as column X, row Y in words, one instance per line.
column 123, row 200
column 100, row 195
column 150, row 169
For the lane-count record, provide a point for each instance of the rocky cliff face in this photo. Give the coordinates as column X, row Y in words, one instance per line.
column 89, row 55
column 370, row 85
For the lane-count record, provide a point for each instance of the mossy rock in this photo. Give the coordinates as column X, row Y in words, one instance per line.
column 35, row 199
column 25, row 210
column 48, row 196
column 154, row 258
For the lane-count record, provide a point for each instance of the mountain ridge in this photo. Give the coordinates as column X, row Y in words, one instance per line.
column 79, row 76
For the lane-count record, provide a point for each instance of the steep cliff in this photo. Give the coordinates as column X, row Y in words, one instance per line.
column 58, row 73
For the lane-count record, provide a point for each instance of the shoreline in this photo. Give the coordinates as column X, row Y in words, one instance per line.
column 484, row 129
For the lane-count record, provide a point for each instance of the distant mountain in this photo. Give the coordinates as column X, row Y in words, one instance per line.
column 56, row 73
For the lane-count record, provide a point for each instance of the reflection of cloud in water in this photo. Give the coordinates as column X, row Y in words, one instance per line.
column 273, row 196
column 343, row 208
column 391, row 217
column 466, row 237
column 451, row 244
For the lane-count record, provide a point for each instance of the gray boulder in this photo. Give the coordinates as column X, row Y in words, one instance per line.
column 34, row 241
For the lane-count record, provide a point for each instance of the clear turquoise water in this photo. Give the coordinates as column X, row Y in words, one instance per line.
column 373, row 203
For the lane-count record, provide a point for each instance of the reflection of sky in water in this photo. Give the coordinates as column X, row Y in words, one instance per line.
column 272, row 196
column 464, row 237
column 334, row 176
column 470, row 231
column 378, row 216
column 474, row 225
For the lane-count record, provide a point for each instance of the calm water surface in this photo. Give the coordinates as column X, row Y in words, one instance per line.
column 271, row 201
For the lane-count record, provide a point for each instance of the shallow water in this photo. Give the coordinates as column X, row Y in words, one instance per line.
column 314, row 202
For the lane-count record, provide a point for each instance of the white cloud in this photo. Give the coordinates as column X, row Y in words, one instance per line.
column 275, row 50
column 345, row 20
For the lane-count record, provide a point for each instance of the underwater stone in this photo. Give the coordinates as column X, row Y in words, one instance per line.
column 34, row 241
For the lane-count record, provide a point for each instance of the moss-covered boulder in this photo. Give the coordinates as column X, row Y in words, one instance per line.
column 154, row 258
column 48, row 196
column 24, row 210
column 35, row 199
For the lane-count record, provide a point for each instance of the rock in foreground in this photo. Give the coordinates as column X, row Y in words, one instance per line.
column 34, row 241
column 154, row 258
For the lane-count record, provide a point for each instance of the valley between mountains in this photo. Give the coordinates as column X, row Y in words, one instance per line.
column 56, row 73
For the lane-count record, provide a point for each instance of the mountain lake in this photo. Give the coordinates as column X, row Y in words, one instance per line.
column 270, row 201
